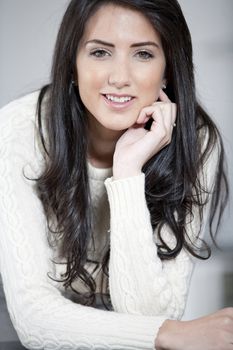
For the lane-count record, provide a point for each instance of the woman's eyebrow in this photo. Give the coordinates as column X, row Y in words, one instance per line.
column 146, row 43
column 101, row 42
column 105, row 43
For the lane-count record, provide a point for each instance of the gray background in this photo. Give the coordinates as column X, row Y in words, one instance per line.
column 27, row 33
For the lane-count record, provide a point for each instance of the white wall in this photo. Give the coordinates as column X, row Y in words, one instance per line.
column 28, row 30
column 210, row 22
column 27, row 34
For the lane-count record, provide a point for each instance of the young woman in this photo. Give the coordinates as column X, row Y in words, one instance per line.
column 109, row 176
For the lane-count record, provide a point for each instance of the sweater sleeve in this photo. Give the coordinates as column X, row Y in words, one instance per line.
column 42, row 317
column 140, row 283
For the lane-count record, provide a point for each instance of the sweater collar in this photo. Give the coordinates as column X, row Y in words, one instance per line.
column 100, row 174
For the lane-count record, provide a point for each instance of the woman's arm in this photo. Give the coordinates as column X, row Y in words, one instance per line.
column 140, row 282
column 212, row 332
column 42, row 317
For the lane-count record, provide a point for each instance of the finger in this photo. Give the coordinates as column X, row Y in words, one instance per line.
column 174, row 112
column 160, row 131
column 156, row 138
column 159, row 128
column 167, row 111
column 145, row 114
column 163, row 96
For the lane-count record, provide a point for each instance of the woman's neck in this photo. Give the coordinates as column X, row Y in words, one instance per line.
column 101, row 145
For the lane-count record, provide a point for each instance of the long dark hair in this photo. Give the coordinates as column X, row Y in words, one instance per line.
column 173, row 188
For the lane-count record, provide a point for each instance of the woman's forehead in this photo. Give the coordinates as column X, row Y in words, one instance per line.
column 119, row 22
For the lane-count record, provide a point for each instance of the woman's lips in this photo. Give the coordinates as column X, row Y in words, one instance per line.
column 118, row 102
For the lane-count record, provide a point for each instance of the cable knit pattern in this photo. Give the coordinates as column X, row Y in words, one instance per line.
column 137, row 275
column 144, row 291
column 140, row 283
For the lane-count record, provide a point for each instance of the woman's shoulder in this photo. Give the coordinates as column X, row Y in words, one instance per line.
column 19, row 111
column 19, row 130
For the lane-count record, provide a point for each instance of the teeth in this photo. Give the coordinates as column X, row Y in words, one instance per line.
column 118, row 99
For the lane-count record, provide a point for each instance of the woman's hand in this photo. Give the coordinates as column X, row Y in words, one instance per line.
column 137, row 145
column 212, row 332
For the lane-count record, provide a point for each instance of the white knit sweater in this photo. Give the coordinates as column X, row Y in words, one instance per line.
column 144, row 290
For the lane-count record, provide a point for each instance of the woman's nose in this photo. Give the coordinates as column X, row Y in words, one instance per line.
column 119, row 74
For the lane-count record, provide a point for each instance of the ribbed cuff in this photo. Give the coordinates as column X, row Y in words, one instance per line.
column 127, row 197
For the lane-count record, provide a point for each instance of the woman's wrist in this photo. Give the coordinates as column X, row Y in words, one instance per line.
column 122, row 172
column 168, row 335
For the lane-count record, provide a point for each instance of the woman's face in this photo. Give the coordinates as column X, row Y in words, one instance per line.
column 120, row 66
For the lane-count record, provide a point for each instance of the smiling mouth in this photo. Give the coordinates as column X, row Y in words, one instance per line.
column 118, row 99
column 118, row 102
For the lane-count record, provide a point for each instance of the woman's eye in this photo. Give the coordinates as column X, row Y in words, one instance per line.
column 100, row 53
column 144, row 55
